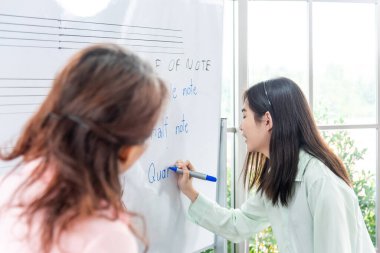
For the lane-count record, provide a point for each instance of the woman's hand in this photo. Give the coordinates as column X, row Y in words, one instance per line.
column 185, row 182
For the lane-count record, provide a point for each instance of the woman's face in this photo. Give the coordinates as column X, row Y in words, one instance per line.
column 256, row 133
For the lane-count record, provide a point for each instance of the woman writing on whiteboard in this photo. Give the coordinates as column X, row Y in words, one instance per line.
column 297, row 184
column 65, row 196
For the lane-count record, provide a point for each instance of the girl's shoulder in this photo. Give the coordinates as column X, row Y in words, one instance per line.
column 317, row 173
column 311, row 168
column 11, row 181
column 100, row 233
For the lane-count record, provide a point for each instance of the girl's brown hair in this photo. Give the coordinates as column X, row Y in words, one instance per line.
column 103, row 100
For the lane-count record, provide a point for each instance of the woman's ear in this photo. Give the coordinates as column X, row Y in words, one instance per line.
column 123, row 153
column 268, row 121
column 129, row 155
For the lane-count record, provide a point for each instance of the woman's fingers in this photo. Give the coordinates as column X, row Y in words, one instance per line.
column 181, row 165
column 186, row 172
column 186, row 168
column 189, row 165
column 184, row 179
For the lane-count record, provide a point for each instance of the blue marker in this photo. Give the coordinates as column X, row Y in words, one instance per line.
column 195, row 174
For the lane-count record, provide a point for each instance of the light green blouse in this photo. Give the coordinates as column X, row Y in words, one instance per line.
column 323, row 216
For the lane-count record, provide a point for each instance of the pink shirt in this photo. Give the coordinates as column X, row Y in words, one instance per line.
column 91, row 235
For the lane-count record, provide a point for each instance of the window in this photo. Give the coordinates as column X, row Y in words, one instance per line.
column 344, row 62
column 277, row 41
column 330, row 50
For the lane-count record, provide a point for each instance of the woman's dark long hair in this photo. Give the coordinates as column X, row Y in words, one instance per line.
column 293, row 128
column 104, row 99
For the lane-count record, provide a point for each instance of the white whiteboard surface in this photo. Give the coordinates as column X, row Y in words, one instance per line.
column 182, row 39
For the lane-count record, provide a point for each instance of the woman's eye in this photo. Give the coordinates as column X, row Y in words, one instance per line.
column 244, row 116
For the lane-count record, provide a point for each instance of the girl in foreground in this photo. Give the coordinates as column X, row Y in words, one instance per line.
column 65, row 196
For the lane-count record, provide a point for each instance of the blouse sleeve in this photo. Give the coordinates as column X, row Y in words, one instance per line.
column 234, row 224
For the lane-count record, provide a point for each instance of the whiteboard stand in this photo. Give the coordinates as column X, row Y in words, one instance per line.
column 221, row 190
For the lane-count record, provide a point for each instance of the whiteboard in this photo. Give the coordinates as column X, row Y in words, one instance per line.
column 182, row 39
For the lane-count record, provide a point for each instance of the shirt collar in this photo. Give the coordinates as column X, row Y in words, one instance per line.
column 303, row 160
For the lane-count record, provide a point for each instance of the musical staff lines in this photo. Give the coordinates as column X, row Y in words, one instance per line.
column 27, row 42
column 64, row 34
column 22, row 95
